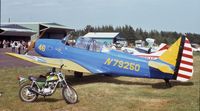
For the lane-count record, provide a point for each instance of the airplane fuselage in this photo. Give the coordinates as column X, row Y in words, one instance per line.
column 109, row 62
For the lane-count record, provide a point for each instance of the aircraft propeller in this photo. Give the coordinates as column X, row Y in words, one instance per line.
column 32, row 44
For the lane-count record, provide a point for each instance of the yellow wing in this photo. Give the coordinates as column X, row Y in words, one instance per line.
column 52, row 62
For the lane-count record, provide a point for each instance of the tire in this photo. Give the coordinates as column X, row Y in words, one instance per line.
column 25, row 95
column 69, row 94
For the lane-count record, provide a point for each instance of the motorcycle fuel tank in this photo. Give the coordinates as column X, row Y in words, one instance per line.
column 52, row 78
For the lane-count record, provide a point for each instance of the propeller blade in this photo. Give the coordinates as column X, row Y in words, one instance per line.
column 30, row 47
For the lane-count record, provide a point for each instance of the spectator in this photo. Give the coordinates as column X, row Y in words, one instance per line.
column 12, row 44
column 24, row 45
column 19, row 46
column 4, row 43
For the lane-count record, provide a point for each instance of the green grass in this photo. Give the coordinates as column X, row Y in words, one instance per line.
column 99, row 93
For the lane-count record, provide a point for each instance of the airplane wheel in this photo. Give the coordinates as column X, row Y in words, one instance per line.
column 78, row 74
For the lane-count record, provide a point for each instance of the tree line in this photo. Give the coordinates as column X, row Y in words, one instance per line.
column 131, row 34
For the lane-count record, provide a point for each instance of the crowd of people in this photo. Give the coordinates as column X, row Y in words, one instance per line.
column 16, row 46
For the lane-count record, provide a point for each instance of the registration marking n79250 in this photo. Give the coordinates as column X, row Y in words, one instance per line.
column 122, row 64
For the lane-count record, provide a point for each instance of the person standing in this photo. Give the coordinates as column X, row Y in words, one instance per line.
column 19, row 45
column 23, row 45
column 12, row 44
column 4, row 43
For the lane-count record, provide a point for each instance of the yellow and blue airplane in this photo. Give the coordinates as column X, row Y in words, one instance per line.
column 86, row 56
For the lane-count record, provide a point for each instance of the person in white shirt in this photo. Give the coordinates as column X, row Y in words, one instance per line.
column 12, row 44
column 19, row 46
column 4, row 43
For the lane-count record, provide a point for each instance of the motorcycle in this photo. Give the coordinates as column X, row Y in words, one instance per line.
column 46, row 86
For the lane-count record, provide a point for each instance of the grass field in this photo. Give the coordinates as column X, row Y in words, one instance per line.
column 100, row 93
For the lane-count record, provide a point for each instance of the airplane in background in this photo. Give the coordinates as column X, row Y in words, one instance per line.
column 87, row 56
column 152, row 49
column 147, row 52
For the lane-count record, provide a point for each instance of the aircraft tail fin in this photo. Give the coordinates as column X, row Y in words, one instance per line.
column 180, row 55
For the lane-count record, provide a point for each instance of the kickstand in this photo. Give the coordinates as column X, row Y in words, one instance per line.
column 168, row 84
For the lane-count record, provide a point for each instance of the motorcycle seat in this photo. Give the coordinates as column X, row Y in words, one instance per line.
column 32, row 78
column 41, row 78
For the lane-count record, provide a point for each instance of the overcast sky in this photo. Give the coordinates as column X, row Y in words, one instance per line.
column 167, row 15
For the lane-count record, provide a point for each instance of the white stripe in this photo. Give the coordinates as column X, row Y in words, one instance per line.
column 187, row 52
column 187, row 45
column 186, row 66
column 185, row 73
column 187, row 59
column 182, row 79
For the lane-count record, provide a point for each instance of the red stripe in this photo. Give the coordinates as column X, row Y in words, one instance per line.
column 188, row 56
column 165, row 47
column 187, row 48
column 184, row 76
column 187, row 41
column 185, row 69
column 186, row 62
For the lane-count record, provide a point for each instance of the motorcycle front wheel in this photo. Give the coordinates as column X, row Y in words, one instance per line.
column 26, row 95
column 69, row 94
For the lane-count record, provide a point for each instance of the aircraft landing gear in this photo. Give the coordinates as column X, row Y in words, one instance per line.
column 78, row 74
column 168, row 84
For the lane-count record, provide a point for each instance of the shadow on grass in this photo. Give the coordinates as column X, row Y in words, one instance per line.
column 162, row 85
column 48, row 100
column 107, row 79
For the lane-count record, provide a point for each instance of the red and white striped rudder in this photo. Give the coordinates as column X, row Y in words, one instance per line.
column 185, row 70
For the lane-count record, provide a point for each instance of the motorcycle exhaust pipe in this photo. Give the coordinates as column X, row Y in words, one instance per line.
column 34, row 91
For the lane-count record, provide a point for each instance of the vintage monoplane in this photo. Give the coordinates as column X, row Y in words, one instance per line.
column 87, row 56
